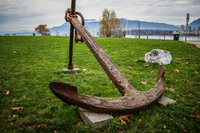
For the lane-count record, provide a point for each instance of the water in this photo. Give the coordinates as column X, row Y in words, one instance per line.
column 181, row 38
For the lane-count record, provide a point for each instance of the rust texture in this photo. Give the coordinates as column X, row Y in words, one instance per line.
column 131, row 101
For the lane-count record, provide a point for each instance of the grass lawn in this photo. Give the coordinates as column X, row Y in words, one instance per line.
column 29, row 64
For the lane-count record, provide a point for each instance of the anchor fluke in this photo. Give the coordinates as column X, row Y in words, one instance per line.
column 64, row 91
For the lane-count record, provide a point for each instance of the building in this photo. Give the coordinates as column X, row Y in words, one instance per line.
column 198, row 30
column 189, row 29
column 182, row 29
column 195, row 30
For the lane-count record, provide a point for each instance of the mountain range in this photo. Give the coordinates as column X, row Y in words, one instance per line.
column 195, row 23
column 93, row 26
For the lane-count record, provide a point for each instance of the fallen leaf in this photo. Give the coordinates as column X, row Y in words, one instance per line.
column 45, row 126
column 7, row 92
column 171, row 89
column 197, row 115
column 186, row 80
column 184, row 130
column 18, row 108
column 187, row 63
column 195, row 71
column 145, row 82
column 176, row 70
column 55, row 67
column 141, row 57
column 187, row 58
column 147, row 65
column 124, row 118
column 122, row 121
column 14, row 51
column 191, row 55
column 177, row 58
column 132, row 52
column 164, row 126
column 84, row 69
column 130, row 68
column 140, row 119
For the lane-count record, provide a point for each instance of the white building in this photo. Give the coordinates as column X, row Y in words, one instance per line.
column 195, row 30
column 182, row 29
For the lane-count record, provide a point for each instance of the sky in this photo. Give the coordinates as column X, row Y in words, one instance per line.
column 18, row 15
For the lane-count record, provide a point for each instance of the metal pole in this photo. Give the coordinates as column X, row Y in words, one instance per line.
column 139, row 29
column 187, row 20
column 73, row 6
column 70, row 64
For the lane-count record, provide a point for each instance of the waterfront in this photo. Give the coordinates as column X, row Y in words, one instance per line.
column 181, row 38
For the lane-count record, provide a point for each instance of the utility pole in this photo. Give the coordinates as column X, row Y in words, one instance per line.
column 187, row 21
column 139, row 29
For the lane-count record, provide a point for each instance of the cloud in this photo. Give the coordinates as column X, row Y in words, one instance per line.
column 20, row 14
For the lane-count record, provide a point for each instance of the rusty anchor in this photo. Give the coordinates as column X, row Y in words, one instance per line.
column 131, row 101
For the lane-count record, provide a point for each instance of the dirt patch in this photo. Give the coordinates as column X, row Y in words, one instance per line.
column 197, row 43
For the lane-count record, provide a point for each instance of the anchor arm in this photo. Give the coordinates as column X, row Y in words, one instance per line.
column 130, row 103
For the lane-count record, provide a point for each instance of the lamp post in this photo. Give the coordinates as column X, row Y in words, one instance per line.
column 187, row 21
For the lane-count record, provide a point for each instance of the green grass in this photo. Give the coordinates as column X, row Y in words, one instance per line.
column 29, row 64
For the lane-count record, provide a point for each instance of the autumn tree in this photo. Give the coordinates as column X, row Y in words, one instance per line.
column 109, row 23
column 42, row 29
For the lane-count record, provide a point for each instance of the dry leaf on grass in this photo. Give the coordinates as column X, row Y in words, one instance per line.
column 130, row 68
column 195, row 71
column 144, row 82
column 184, row 130
column 124, row 118
column 176, row 70
column 171, row 89
column 141, row 57
column 7, row 92
column 197, row 115
column 18, row 108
